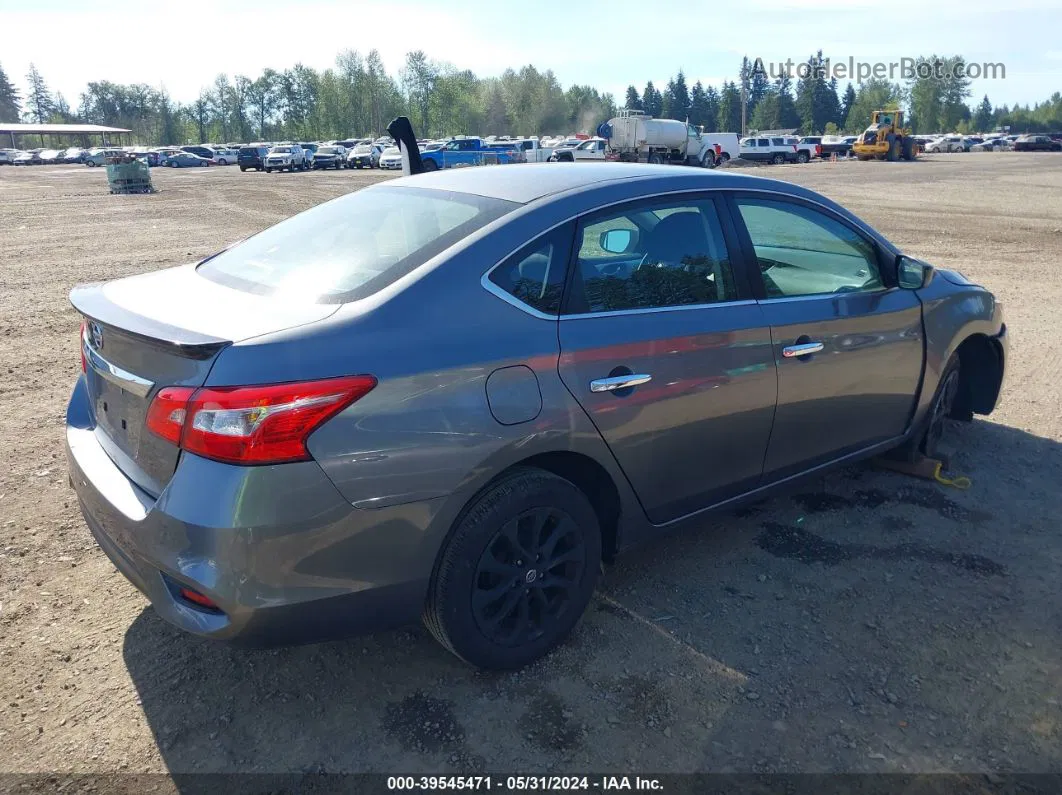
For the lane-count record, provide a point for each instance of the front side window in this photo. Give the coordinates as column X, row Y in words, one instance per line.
column 801, row 251
column 353, row 246
column 652, row 256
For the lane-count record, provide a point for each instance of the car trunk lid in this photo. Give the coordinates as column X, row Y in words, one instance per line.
column 163, row 329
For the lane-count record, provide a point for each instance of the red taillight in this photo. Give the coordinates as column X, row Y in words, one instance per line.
column 252, row 424
column 818, row 150
column 167, row 412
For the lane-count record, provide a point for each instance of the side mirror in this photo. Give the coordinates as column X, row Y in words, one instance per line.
column 913, row 274
column 616, row 241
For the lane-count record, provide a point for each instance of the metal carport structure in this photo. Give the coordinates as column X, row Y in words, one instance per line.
column 64, row 129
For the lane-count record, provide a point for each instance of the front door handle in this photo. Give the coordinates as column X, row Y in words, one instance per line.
column 803, row 349
column 612, row 383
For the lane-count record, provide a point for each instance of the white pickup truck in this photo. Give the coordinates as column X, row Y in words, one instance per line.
column 590, row 149
column 532, row 149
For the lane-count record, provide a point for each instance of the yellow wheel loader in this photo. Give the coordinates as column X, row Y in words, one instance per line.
column 886, row 138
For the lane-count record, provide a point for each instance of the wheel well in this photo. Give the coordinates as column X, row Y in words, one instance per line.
column 980, row 374
column 595, row 482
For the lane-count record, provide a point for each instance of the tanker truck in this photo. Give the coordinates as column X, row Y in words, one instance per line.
column 635, row 137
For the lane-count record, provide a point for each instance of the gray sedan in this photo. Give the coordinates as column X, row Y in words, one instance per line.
column 452, row 395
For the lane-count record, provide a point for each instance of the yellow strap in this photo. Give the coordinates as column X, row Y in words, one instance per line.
column 960, row 482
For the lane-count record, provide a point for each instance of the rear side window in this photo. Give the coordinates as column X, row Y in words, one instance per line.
column 353, row 246
column 535, row 275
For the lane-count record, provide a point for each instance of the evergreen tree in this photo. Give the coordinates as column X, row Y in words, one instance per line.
column 846, row 105
column 816, row 99
column 788, row 117
column 633, row 101
column 759, row 85
column 729, row 115
column 9, row 99
column 678, row 97
column 711, row 110
column 39, row 103
column 698, row 105
column 982, row 119
column 652, row 100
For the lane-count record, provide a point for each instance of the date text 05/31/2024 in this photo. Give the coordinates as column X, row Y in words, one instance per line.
column 488, row 783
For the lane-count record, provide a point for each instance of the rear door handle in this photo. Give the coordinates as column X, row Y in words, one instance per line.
column 615, row 382
column 804, row 349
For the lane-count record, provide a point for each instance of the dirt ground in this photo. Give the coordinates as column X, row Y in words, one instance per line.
column 868, row 622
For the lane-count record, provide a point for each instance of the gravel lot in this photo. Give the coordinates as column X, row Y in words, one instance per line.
column 868, row 622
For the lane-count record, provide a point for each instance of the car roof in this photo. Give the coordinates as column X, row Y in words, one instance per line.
column 525, row 183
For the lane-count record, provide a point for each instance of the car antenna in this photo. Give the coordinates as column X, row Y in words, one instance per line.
column 402, row 132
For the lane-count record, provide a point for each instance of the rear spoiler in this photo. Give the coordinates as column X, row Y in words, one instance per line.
column 90, row 301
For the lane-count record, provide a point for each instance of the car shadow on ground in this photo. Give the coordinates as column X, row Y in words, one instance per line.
column 866, row 622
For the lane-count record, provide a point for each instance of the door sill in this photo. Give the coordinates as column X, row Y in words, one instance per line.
column 761, row 491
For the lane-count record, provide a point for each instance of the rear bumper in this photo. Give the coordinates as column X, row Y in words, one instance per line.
column 283, row 555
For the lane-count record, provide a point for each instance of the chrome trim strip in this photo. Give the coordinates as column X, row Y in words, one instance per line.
column 615, row 382
column 130, row 382
column 654, row 309
column 492, row 288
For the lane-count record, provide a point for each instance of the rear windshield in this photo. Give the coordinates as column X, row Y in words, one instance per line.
column 353, row 246
column 362, row 149
column 327, row 150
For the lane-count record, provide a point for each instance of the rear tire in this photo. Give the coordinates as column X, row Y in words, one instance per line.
column 517, row 572
column 907, row 149
column 654, row 158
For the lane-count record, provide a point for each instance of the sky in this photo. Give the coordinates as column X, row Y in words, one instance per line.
column 609, row 45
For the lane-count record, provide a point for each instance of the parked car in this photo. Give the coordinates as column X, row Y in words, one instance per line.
column 7, row 156
column 330, row 157
column 49, row 157
column 945, row 144
column 992, row 145
column 253, row 156
column 301, row 442
column 225, row 157
column 391, row 158
column 74, row 154
column 365, row 156
column 288, row 157
column 27, row 158
column 203, row 151
column 185, row 159
column 98, row 157
column 775, row 149
column 1037, row 143
column 310, row 150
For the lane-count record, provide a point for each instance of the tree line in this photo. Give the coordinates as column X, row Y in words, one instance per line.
column 357, row 96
